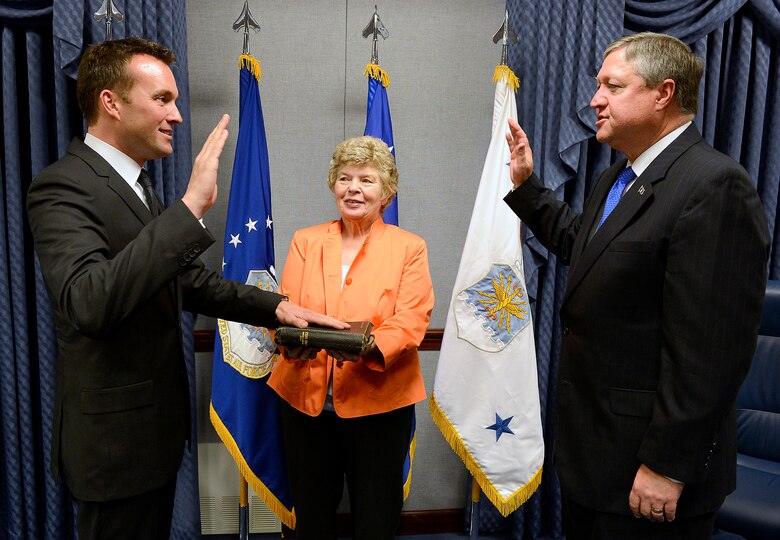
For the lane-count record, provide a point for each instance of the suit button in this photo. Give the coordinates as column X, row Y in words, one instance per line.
column 565, row 330
column 348, row 281
column 196, row 248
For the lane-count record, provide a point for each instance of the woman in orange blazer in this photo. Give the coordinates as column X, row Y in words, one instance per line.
column 345, row 416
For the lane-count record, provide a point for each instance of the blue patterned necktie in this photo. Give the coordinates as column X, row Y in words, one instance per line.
column 613, row 198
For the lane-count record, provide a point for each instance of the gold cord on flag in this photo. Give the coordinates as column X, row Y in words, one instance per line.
column 275, row 505
column 504, row 505
column 511, row 79
column 252, row 64
column 376, row 72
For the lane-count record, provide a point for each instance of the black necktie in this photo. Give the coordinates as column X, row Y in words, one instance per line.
column 151, row 200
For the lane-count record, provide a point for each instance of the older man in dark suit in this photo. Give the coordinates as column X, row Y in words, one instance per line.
column 118, row 278
column 662, row 306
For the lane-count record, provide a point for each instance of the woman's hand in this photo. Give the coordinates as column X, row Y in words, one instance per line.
column 299, row 353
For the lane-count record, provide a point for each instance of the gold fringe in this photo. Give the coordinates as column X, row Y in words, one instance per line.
column 511, row 79
column 252, row 64
column 505, row 506
column 408, row 482
column 276, row 506
column 376, row 72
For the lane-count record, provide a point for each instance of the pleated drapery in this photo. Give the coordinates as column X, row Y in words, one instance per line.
column 41, row 44
column 559, row 52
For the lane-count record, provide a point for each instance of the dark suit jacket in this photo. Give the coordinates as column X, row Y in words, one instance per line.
column 659, row 319
column 118, row 281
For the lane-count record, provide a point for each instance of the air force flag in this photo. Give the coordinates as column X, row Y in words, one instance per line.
column 244, row 410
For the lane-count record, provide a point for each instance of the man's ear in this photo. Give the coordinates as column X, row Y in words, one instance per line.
column 666, row 92
column 109, row 103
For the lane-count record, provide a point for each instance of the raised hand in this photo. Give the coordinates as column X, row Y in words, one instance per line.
column 522, row 160
column 202, row 190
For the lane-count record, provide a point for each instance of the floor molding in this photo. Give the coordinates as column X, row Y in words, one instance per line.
column 415, row 522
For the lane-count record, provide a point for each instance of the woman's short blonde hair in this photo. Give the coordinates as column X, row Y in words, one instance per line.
column 366, row 151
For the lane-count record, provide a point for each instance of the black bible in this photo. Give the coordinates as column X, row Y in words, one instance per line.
column 355, row 339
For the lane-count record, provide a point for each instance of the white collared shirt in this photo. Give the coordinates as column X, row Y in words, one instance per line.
column 123, row 164
column 643, row 161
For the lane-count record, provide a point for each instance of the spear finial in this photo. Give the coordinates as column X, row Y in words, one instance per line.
column 375, row 28
column 246, row 23
column 506, row 35
column 110, row 13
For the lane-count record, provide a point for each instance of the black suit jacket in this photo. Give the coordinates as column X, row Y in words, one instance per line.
column 659, row 323
column 118, row 281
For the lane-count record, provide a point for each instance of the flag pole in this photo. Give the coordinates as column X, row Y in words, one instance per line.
column 243, row 510
column 474, row 524
column 244, row 23
column 505, row 35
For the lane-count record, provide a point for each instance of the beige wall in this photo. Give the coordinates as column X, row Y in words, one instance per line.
column 440, row 58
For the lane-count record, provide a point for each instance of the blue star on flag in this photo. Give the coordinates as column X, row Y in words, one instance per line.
column 501, row 426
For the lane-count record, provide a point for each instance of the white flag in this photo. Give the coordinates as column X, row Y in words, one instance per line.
column 486, row 395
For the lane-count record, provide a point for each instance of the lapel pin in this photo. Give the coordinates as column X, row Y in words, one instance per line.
column 642, row 189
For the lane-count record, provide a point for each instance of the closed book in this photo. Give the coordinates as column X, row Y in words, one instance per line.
column 355, row 339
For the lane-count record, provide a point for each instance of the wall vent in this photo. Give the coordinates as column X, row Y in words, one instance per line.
column 219, row 495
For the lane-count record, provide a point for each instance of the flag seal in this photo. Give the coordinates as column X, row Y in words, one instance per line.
column 499, row 303
column 248, row 349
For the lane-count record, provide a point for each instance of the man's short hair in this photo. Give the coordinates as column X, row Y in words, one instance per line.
column 656, row 57
column 104, row 66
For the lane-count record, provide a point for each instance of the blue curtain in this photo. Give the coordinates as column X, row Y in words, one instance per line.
column 41, row 44
column 556, row 59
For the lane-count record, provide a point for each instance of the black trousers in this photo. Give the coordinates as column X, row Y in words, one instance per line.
column 368, row 451
column 581, row 523
column 146, row 516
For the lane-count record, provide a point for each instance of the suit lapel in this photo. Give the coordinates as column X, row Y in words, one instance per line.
column 113, row 180
column 331, row 267
column 639, row 195
column 119, row 186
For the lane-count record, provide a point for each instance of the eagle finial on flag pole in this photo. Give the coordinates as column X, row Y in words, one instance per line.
column 110, row 13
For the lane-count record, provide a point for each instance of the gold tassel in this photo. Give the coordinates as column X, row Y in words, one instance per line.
column 511, row 79
column 376, row 72
column 252, row 64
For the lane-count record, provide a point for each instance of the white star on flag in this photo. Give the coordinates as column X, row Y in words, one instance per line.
column 251, row 225
column 234, row 240
column 268, row 222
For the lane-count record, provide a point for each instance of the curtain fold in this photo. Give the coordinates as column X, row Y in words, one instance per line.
column 32, row 505
column 41, row 44
column 683, row 19
column 556, row 58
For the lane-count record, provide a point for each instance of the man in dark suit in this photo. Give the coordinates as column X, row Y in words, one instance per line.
column 118, row 279
column 661, row 308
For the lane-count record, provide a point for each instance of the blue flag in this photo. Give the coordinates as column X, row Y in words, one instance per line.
column 378, row 122
column 379, row 125
column 244, row 409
